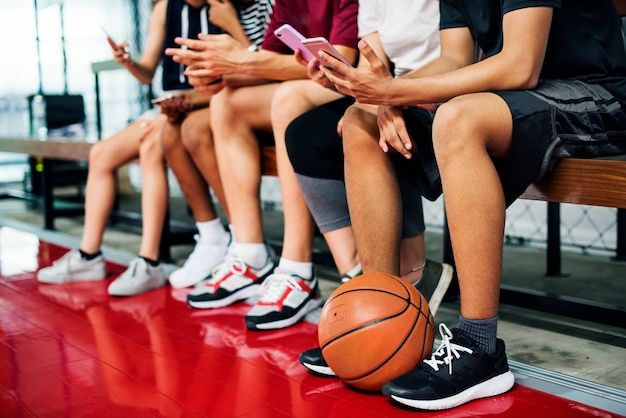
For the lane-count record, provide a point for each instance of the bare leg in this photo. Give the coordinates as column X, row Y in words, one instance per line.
column 104, row 159
column 291, row 100
column 412, row 256
column 467, row 131
column 154, row 195
column 373, row 194
column 343, row 248
column 235, row 113
column 197, row 139
column 190, row 180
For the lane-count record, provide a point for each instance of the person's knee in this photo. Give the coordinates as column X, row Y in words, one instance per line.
column 150, row 151
column 358, row 128
column 283, row 102
column 195, row 134
column 224, row 108
column 100, row 157
column 452, row 122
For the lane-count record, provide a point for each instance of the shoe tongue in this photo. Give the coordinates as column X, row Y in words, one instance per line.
column 459, row 337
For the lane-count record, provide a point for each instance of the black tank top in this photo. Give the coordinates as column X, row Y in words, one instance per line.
column 186, row 21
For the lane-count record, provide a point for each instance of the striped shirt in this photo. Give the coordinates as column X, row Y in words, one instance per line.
column 254, row 17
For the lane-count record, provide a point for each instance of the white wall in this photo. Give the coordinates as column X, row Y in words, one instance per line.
column 85, row 43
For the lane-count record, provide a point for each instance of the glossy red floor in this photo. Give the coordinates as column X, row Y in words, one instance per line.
column 72, row 351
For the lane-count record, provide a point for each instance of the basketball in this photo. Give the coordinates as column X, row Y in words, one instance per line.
column 375, row 328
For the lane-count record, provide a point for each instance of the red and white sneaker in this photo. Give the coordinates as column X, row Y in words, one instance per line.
column 230, row 282
column 285, row 299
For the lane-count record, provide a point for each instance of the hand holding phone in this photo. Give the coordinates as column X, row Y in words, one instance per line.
column 314, row 45
column 293, row 39
column 117, row 47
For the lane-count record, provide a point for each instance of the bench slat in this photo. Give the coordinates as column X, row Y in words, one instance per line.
column 59, row 149
column 596, row 182
column 268, row 161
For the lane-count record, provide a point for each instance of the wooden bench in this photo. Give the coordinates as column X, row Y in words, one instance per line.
column 595, row 182
column 46, row 151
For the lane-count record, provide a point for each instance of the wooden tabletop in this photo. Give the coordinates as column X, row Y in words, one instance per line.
column 75, row 149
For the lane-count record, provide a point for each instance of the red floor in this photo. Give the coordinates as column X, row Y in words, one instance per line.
column 71, row 350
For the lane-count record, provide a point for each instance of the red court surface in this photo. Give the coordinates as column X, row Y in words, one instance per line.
column 73, row 351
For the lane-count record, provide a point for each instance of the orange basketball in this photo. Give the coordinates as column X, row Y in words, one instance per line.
column 375, row 328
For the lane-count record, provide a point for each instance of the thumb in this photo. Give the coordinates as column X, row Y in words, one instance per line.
column 367, row 52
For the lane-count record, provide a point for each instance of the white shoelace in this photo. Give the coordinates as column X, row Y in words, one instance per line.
column 131, row 271
column 447, row 351
column 233, row 264
column 66, row 259
column 274, row 287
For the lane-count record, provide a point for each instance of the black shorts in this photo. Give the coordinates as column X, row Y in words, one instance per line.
column 558, row 119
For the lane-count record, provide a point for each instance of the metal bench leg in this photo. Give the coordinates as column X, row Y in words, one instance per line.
column 553, row 253
column 620, row 251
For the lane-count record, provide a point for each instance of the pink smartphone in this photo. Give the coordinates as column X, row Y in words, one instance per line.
column 293, row 39
column 314, row 45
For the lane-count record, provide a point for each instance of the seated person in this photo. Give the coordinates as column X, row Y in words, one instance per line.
column 289, row 290
column 406, row 36
column 141, row 139
column 189, row 152
column 552, row 85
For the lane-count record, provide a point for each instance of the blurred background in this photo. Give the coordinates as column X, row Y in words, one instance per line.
column 59, row 46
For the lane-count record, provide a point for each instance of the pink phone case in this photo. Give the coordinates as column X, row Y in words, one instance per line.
column 314, row 45
column 293, row 39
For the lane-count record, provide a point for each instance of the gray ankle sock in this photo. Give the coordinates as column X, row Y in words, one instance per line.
column 483, row 331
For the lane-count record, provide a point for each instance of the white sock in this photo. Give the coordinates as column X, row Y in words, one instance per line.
column 356, row 269
column 254, row 255
column 212, row 232
column 302, row 269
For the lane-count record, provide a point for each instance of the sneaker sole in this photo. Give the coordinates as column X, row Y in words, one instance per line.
column 242, row 294
column 323, row 371
column 284, row 323
column 72, row 279
column 134, row 292
column 442, row 287
column 181, row 284
column 492, row 387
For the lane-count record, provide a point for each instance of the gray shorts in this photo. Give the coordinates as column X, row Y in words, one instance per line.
column 558, row 119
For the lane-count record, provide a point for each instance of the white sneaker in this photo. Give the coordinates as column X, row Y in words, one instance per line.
column 285, row 299
column 73, row 268
column 139, row 277
column 230, row 282
column 200, row 263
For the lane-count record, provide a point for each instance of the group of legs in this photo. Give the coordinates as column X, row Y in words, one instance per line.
column 140, row 141
column 288, row 291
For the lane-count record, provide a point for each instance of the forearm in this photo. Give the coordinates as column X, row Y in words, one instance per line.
column 140, row 71
column 270, row 65
column 496, row 73
column 244, row 80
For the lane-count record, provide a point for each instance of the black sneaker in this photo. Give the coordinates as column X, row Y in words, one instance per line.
column 434, row 283
column 314, row 361
column 458, row 372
